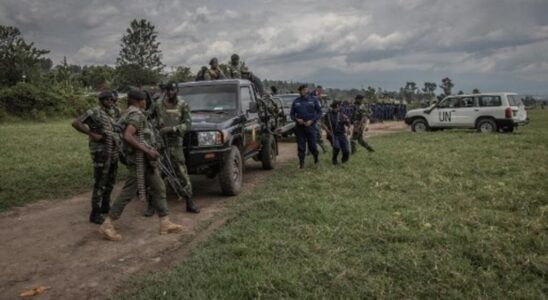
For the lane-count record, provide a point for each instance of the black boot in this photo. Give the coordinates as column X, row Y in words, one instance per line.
column 316, row 159
column 190, row 207
column 369, row 149
column 95, row 216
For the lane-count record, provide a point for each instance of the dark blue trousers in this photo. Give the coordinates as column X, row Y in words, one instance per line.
column 306, row 135
column 340, row 143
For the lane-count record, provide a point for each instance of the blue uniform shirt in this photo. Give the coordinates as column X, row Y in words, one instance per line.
column 306, row 108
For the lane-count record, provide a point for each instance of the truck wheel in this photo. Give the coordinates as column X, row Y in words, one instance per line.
column 419, row 125
column 230, row 176
column 268, row 154
column 486, row 126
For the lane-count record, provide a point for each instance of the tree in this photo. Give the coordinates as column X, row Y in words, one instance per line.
column 409, row 90
column 182, row 74
column 447, row 85
column 140, row 59
column 371, row 94
column 476, row 91
column 96, row 77
column 18, row 59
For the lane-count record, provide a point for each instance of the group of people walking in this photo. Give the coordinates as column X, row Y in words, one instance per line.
column 339, row 122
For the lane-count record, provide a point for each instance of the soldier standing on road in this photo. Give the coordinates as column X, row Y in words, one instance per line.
column 138, row 137
column 97, row 123
column 359, row 120
column 214, row 73
column 305, row 111
column 172, row 116
column 336, row 124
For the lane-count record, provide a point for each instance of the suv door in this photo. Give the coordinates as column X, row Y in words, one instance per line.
column 490, row 106
column 465, row 112
column 252, row 125
column 443, row 114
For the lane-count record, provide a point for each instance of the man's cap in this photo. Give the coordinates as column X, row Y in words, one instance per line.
column 213, row 61
column 105, row 95
column 302, row 87
column 319, row 87
column 136, row 95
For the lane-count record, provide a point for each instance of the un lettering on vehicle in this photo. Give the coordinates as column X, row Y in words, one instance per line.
column 444, row 116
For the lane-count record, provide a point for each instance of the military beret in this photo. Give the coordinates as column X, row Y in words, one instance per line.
column 359, row 97
column 136, row 95
column 105, row 95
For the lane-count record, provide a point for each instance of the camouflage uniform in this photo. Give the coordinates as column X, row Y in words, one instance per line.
column 179, row 119
column 154, row 183
column 212, row 74
column 236, row 71
column 359, row 116
column 104, row 169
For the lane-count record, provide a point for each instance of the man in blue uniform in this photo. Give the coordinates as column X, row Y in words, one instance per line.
column 305, row 111
column 336, row 124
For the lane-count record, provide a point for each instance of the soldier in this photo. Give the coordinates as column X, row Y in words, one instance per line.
column 359, row 121
column 201, row 74
column 172, row 117
column 116, row 113
column 97, row 123
column 143, row 175
column 305, row 111
column 214, row 73
column 238, row 70
column 336, row 124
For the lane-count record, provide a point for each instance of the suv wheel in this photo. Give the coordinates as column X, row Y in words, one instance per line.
column 419, row 125
column 486, row 126
column 231, row 172
column 268, row 154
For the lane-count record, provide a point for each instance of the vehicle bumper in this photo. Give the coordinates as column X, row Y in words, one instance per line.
column 511, row 122
column 201, row 160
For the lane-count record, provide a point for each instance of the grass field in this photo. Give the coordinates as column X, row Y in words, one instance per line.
column 42, row 161
column 452, row 214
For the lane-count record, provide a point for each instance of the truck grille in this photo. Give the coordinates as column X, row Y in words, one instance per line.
column 191, row 139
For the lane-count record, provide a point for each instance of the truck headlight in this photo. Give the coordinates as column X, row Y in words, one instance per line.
column 210, row 138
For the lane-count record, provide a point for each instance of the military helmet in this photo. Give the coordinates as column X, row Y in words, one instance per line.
column 171, row 86
column 105, row 96
column 235, row 57
column 213, row 61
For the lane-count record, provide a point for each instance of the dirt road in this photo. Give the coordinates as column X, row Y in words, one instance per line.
column 50, row 243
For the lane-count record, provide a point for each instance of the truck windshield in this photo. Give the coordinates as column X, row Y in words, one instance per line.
column 214, row 98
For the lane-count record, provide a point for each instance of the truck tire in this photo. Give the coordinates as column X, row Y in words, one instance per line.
column 419, row 125
column 269, row 153
column 231, row 174
column 486, row 126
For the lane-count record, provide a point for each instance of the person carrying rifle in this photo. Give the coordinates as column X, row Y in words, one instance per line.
column 143, row 174
column 360, row 117
column 336, row 124
column 97, row 123
column 171, row 115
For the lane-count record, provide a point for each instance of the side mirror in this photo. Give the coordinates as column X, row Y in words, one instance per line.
column 253, row 107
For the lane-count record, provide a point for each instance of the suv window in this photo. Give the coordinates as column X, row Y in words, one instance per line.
column 449, row 103
column 489, row 101
column 245, row 95
column 514, row 100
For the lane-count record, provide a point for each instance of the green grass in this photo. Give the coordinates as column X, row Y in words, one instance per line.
column 453, row 214
column 42, row 161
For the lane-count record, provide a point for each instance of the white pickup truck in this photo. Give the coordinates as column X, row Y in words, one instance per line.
column 486, row 112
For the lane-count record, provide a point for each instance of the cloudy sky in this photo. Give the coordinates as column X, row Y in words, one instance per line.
column 487, row 44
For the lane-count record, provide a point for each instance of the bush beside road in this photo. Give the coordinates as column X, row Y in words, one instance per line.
column 452, row 214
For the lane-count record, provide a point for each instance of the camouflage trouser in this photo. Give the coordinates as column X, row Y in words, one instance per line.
column 357, row 138
column 178, row 159
column 155, row 185
column 105, row 178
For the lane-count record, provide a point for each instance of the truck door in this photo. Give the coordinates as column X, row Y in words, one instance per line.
column 252, row 126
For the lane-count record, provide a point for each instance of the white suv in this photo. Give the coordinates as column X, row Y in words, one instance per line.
column 489, row 112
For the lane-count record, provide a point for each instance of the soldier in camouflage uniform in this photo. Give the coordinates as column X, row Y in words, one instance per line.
column 317, row 92
column 360, row 116
column 172, row 117
column 97, row 123
column 143, row 174
column 238, row 70
column 214, row 73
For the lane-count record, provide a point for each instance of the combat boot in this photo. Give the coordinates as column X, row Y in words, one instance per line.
column 95, row 216
column 190, row 206
column 316, row 160
column 108, row 232
column 167, row 227
column 369, row 149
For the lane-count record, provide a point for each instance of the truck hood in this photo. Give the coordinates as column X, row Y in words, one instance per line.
column 212, row 121
column 417, row 112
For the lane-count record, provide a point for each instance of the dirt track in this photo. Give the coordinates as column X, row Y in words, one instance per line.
column 52, row 244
